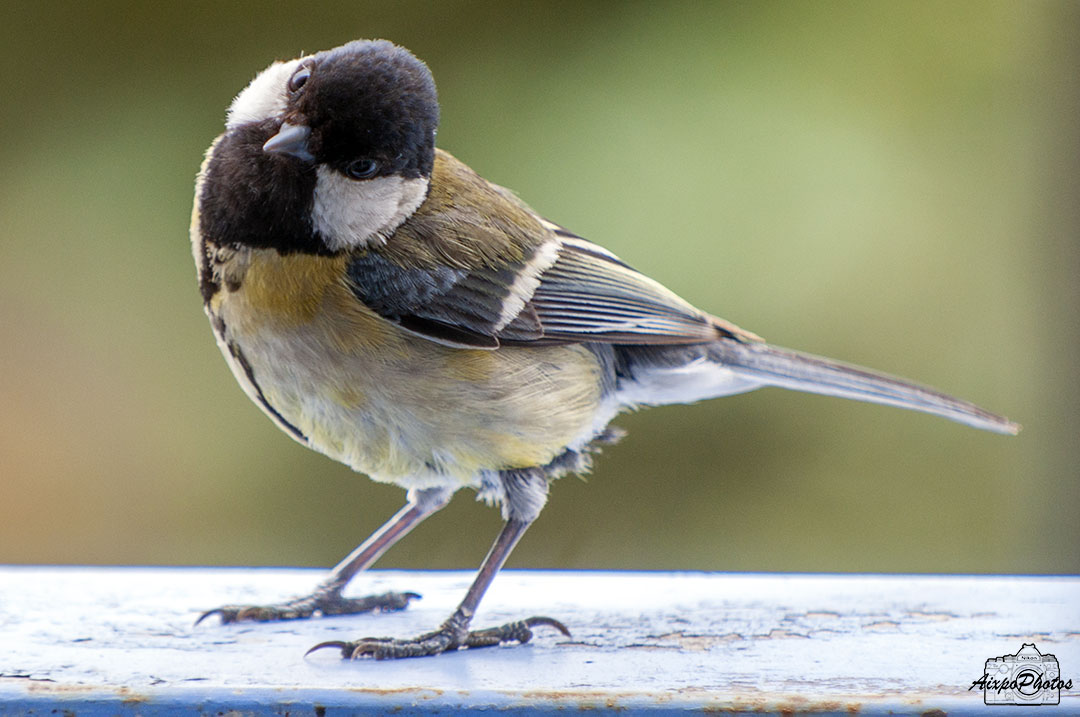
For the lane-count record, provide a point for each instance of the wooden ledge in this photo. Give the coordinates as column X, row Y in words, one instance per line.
column 92, row 641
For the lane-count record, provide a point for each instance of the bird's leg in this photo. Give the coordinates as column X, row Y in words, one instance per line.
column 454, row 633
column 522, row 504
column 326, row 599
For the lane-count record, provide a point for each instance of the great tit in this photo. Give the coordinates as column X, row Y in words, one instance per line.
column 386, row 306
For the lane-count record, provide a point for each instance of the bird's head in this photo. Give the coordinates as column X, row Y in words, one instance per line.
column 342, row 141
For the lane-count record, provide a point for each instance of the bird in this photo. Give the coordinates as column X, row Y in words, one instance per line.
column 385, row 305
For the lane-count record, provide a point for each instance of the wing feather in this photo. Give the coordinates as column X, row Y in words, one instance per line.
column 590, row 295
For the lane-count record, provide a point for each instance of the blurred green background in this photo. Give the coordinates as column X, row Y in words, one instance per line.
column 894, row 184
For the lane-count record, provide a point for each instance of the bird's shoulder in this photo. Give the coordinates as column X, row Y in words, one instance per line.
column 476, row 267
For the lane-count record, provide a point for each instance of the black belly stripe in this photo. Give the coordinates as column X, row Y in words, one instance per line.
column 242, row 360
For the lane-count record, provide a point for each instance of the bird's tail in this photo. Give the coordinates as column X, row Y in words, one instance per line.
column 768, row 365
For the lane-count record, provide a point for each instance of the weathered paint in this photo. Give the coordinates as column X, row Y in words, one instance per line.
column 94, row 641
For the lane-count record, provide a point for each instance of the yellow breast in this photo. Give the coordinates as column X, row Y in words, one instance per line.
column 390, row 404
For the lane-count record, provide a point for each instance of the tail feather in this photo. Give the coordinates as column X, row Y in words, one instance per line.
column 776, row 366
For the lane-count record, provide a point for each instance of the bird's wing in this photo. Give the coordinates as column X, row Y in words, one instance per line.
column 451, row 305
column 478, row 268
column 563, row 290
column 589, row 294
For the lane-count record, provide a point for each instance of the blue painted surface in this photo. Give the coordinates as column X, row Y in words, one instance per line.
column 97, row 641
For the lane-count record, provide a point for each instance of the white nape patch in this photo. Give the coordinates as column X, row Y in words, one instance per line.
column 264, row 98
column 525, row 283
column 354, row 213
column 696, row 381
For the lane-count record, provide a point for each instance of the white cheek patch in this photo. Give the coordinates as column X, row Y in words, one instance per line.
column 264, row 98
column 351, row 213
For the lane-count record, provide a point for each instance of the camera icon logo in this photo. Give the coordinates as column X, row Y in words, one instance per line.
column 1027, row 677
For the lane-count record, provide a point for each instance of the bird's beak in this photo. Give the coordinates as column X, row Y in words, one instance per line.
column 292, row 140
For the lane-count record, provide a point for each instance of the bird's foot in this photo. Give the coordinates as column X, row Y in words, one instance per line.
column 451, row 636
column 323, row 603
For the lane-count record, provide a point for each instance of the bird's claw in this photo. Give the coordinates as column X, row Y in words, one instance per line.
column 520, row 631
column 445, row 639
column 301, row 608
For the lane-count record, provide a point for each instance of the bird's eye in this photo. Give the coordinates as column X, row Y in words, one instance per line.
column 362, row 168
column 299, row 78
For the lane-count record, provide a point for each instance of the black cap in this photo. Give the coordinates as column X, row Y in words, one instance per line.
column 370, row 99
